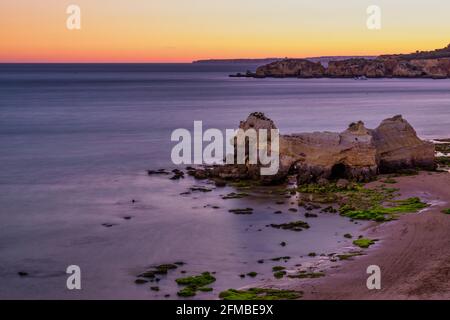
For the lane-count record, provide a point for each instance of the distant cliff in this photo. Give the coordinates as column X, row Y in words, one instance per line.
column 323, row 60
column 425, row 64
column 237, row 61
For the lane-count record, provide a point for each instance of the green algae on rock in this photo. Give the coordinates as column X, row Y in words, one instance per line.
column 349, row 255
column 260, row 294
column 187, row 292
column 279, row 274
column 364, row 242
column 377, row 204
column 278, row 268
column 161, row 269
column 194, row 284
column 197, row 281
column 306, row 275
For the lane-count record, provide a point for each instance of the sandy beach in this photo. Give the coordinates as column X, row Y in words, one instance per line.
column 413, row 254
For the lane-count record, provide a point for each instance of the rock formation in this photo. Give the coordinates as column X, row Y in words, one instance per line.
column 356, row 154
column 398, row 146
column 301, row 68
column 431, row 64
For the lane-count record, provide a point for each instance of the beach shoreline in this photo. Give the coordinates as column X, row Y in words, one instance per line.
column 413, row 253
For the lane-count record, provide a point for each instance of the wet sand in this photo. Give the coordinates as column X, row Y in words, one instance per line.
column 413, row 254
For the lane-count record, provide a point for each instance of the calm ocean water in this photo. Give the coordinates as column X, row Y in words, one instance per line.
column 76, row 141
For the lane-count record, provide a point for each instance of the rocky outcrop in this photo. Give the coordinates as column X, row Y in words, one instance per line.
column 329, row 155
column 377, row 68
column 356, row 154
column 431, row 64
column 300, row 68
column 398, row 146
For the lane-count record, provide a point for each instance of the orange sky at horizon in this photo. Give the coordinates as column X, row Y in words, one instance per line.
column 187, row 30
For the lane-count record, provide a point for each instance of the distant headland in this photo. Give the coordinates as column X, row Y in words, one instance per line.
column 420, row 64
column 323, row 60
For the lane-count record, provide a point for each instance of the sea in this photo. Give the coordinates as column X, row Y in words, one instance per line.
column 76, row 141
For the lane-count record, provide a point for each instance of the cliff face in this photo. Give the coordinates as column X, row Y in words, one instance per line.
column 357, row 153
column 291, row 68
column 432, row 64
column 378, row 68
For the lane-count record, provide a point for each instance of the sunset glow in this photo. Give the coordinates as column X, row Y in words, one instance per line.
column 186, row 30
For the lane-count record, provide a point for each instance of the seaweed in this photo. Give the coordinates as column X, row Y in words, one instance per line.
column 349, row 255
column 363, row 242
column 187, row 292
column 279, row 274
column 307, row 275
column 260, row 294
column 194, row 284
column 197, row 281
column 377, row 204
column 278, row 268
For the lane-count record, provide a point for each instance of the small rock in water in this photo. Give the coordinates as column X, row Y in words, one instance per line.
column 160, row 171
column 178, row 174
column 200, row 188
column 140, row 281
column 22, row 273
column 220, row 183
column 310, row 215
column 241, row 211
column 108, row 225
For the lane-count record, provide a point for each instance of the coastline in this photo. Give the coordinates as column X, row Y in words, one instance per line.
column 413, row 253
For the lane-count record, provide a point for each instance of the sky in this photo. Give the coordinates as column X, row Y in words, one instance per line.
column 187, row 30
